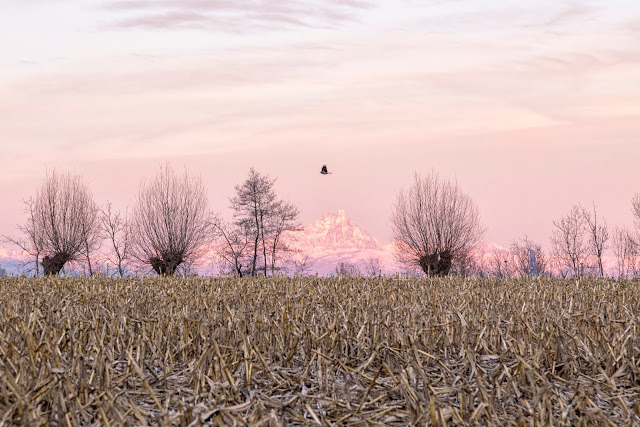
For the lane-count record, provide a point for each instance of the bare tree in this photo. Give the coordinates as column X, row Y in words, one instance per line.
column 347, row 269
column 301, row 264
column 499, row 263
column 170, row 221
column 233, row 247
column 31, row 242
column 521, row 252
column 567, row 241
column 373, row 267
column 283, row 218
column 597, row 236
column 635, row 209
column 624, row 249
column 116, row 231
column 59, row 224
column 91, row 234
column 434, row 225
column 471, row 263
column 257, row 208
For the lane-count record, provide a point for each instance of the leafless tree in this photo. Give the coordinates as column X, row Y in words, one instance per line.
column 31, row 242
column 635, row 209
column 116, row 230
column 91, row 235
column 471, row 263
column 373, row 267
column 434, row 224
column 624, row 249
column 521, row 254
column 3, row 272
column 597, row 236
column 347, row 269
column 233, row 247
column 499, row 263
column 567, row 242
column 257, row 208
column 284, row 218
column 301, row 264
column 60, row 222
column 170, row 221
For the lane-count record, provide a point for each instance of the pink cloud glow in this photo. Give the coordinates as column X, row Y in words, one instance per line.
column 531, row 107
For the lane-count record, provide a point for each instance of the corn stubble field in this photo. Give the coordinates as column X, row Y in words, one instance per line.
column 319, row 351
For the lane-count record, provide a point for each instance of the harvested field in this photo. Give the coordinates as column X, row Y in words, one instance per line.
column 319, row 351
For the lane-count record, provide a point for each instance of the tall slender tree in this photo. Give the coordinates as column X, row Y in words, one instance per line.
column 259, row 211
column 567, row 242
column 115, row 229
column 597, row 236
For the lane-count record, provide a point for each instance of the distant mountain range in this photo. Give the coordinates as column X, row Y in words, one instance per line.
column 321, row 246
column 325, row 243
column 336, row 239
column 12, row 260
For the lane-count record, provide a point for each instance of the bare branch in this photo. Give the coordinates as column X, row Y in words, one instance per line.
column 435, row 224
column 170, row 221
column 597, row 236
column 61, row 223
column 116, row 230
column 260, row 213
column 567, row 241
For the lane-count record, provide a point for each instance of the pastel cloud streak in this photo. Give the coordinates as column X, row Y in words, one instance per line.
column 498, row 94
column 234, row 16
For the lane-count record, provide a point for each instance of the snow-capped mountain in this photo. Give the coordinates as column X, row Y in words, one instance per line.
column 12, row 260
column 336, row 239
column 323, row 244
column 335, row 232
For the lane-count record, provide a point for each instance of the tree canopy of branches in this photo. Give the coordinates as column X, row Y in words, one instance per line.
column 347, row 269
column 434, row 224
column 116, row 230
column 373, row 267
column 567, row 242
column 499, row 263
column 521, row 251
column 234, row 247
column 31, row 241
column 62, row 223
column 635, row 209
column 625, row 250
column 597, row 236
column 170, row 221
column 260, row 214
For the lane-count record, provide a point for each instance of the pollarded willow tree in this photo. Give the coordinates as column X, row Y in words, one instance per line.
column 62, row 223
column 170, row 221
column 434, row 223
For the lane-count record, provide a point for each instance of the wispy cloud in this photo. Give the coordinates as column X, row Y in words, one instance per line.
column 232, row 16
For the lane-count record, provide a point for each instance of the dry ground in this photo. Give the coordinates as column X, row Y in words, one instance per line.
column 327, row 351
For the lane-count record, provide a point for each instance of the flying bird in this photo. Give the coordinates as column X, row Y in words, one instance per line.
column 324, row 170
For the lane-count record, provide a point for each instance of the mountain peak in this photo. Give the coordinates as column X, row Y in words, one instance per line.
column 336, row 231
column 339, row 217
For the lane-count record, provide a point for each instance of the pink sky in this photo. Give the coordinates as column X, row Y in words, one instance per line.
column 531, row 107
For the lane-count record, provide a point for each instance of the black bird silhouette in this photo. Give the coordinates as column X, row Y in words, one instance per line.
column 324, row 170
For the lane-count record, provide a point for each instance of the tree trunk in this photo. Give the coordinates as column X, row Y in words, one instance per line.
column 264, row 244
column 86, row 246
column 52, row 265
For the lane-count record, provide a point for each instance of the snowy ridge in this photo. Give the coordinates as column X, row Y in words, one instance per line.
column 335, row 232
column 335, row 239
